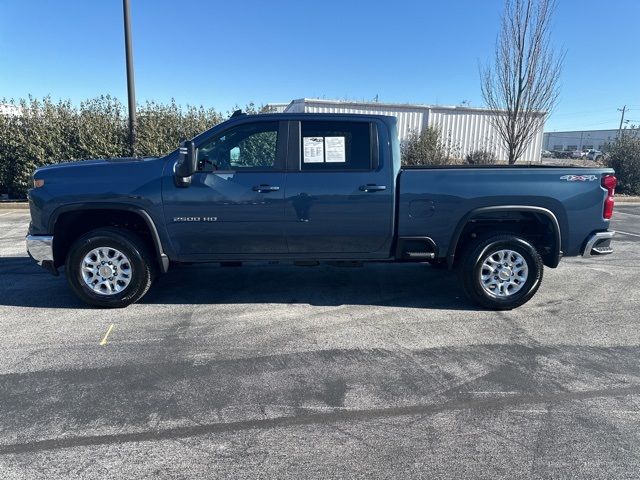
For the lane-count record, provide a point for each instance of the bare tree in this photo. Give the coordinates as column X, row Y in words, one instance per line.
column 522, row 87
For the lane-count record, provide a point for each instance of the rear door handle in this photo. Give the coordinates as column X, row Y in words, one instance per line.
column 265, row 188
column 369, row 187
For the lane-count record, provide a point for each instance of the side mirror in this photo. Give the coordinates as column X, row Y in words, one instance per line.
column 186, row 165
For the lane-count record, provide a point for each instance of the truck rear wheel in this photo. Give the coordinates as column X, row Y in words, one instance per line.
column 109, row 268
column 501, row 272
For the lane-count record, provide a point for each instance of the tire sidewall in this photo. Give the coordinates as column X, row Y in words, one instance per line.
column 529, row 288
column 109, row 240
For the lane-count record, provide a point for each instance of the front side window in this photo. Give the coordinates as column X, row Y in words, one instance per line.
column 335, row 146
column 253, row 145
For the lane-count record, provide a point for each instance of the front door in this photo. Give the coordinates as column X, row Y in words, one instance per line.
column 234, row 205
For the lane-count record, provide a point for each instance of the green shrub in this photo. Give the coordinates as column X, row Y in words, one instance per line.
column 162, row 127
column 43, row 133
column 47, row 132
column 104, row 128
column 427, row 148
column 624, row 158
column 481, row 157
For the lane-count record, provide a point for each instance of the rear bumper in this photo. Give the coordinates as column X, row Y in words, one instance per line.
column 598, row 243
column 40, row 248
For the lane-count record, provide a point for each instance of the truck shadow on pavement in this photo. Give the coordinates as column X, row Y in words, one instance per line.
column 399, row 285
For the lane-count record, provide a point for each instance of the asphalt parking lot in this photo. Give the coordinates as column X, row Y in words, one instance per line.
column 298, row 372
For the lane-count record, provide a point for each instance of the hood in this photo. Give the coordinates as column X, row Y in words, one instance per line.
column 95, row 162
column 102, row 178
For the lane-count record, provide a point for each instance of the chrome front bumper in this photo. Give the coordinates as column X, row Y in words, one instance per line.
column 40, row 248
column 598, row 243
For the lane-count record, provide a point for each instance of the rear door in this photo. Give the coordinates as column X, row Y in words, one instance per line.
column 235, row 203
column 339, row 191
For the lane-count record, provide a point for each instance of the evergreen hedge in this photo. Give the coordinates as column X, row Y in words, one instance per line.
column 623, row 155
column 46, row 132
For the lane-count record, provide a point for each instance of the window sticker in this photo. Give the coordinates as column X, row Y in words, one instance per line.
column 335, row 149
column 313, row 148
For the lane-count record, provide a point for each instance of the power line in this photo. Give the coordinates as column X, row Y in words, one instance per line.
column 608, row 122
column 580, row 113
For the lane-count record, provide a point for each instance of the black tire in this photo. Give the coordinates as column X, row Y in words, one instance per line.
column 471, row 265
column 143, row 268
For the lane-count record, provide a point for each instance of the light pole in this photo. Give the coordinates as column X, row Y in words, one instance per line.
column 131, row 88
column 624, row 109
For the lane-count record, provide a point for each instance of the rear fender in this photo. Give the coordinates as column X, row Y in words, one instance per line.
column 556, row 252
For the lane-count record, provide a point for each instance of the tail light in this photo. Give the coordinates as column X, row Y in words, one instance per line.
column 609, row 183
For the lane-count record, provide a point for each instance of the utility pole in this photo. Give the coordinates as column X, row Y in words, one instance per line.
column 131, row 88
column 623, row 109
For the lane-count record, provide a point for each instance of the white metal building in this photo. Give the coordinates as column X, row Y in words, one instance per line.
column 582, row 139
column 9, row 109
column 465, row 129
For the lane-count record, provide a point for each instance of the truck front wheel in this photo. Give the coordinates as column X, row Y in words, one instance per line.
column 501, row 272
column 109, row 268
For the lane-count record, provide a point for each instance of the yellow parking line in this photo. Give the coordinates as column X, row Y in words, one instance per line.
column 103, row 342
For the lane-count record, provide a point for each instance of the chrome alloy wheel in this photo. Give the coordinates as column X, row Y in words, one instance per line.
column 503, row 273
column 106, row 271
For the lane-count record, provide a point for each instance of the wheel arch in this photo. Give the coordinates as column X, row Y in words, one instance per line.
column 551, row 260
column 108, row 213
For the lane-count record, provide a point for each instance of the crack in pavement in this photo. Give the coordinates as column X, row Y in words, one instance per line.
column 332, row 417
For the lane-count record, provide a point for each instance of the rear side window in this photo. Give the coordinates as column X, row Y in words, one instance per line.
column 335, row 146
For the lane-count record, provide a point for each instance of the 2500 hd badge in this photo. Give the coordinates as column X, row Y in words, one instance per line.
column 195, row 219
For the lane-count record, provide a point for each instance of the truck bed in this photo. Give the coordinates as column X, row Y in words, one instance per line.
column 434, row 200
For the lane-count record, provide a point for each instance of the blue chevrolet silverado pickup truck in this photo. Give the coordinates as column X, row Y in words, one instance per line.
column 308, row 188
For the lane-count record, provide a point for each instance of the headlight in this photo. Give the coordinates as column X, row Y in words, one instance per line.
column 38, row 182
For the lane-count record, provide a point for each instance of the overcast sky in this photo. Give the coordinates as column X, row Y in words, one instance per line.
column 222, row 53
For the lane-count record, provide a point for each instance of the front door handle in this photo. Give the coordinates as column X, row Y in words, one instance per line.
column 265, row 188
column 369, row 187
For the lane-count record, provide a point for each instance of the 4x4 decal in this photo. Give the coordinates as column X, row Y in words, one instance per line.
column 579, row 178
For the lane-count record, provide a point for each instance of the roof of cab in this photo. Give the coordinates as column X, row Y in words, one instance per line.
column 314, row 116
column 246, row 118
